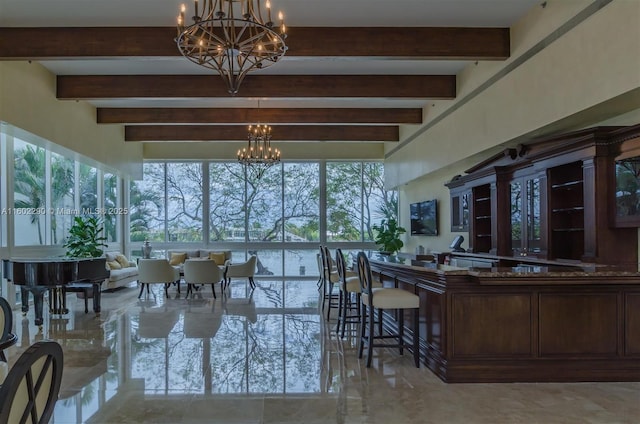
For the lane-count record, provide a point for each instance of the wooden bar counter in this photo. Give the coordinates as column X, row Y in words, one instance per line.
column 522, row 324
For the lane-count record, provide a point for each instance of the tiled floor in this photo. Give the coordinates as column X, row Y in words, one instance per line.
column 268, row 357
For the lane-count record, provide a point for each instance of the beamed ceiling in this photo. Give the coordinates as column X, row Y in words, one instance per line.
column 355, row 70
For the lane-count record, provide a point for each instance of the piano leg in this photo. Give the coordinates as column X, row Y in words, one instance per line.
column 97, row 287
column 24, row 299
column 38, row 302
column 58, row 301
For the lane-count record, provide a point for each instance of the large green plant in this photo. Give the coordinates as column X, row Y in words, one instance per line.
column 85, row 239
column 388, row 235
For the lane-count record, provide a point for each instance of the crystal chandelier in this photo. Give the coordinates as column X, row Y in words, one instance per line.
column 233, row 37
column 258, row 156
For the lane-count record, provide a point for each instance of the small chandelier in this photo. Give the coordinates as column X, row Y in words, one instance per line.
column 233, row 37
column 258, row 156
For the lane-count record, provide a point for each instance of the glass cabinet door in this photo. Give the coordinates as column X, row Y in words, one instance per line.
column 460, row 212
column 533, row 215
column 526, row 232
column 516, row 218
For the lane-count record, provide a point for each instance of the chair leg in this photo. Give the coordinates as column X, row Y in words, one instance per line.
column 363, row 324
column 324, row 296
column 166, row 290
column 252, row 283
column 141, row 290
column 416, row 337
column 340, row 308
column 401, row 330
column 213, row 289
column 370, row 338
column 346, row 307
column 329, row 301
column 188, row 291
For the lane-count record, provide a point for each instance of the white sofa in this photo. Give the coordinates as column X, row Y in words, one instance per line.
column 120, row 277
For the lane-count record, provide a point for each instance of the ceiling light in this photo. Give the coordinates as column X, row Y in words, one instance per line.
column 258, row 156
column 233, row 37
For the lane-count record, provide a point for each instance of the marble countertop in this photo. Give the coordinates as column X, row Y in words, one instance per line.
column 528, row 271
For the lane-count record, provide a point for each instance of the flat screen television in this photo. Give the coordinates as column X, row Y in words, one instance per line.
column 424, row 218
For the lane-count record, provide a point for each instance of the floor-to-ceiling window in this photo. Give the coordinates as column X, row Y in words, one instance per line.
column 43, row 187
column 280, row 216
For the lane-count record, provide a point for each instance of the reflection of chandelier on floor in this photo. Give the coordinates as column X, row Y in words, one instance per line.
column 233, row 37
column 258, row 156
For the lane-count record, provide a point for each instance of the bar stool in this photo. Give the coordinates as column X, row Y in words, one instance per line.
column 349, row 283
column 384, row 298
column 329, row 279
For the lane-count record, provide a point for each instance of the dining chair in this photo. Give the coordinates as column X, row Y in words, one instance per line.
column 156, row 271
column 243, row 270
column 200, row 272
column 30, row 390
column 7, row 338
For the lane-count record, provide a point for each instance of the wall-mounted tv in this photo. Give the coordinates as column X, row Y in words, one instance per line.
column 424, row 218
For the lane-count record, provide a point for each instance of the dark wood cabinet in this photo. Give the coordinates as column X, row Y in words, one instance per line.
column 481, row 234
column 566, row 211
column 558, row 198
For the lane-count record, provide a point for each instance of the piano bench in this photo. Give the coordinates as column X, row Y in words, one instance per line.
column 80, row 287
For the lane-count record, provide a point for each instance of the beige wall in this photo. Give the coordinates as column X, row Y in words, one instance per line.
column 594, row 62
column 28, row 101
column 589, row 75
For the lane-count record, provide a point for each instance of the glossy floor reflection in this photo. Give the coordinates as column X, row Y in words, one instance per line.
column 268, row 357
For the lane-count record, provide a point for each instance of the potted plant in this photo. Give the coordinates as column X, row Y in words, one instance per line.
column 85, row 239
column 389, row 236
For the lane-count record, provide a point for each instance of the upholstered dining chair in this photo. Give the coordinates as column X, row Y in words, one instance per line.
column 156, row 271
column 384, row 298
column 30, row 391
column 243, row 270
column 201, row 271
column 7, row 338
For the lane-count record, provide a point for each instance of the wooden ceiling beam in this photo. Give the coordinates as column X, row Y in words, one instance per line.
column 409, row 42
column 252, row 115
column 281, row 86
column 280, row 133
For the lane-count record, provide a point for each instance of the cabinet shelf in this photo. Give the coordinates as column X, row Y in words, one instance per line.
column 483, row 235
column 567, row 185
column 572, row 209
column 483, row 199
column 483, row 217
column 567, row 230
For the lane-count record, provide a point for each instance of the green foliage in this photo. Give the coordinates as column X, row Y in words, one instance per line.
column 85, row 240
column 388, row 235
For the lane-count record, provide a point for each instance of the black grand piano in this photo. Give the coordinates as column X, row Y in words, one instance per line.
column 39, row 275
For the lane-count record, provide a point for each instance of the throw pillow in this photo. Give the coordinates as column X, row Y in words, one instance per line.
column 123, row 261
column 111, row 256
column 218, row 258
column 177, row 259
column 114, row 265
